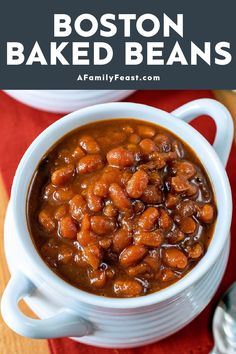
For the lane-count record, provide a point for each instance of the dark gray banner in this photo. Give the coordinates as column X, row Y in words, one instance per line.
column 148, row 44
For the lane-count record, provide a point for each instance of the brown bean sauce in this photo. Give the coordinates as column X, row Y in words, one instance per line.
column 121, row 208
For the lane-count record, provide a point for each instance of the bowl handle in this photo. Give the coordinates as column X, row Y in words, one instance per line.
column 220, row 115
column 64, row 324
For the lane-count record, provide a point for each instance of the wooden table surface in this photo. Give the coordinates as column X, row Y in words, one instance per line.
column 11, row 343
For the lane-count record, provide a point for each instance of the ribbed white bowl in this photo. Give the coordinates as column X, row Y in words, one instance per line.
column 146, row 327
column 112, row 322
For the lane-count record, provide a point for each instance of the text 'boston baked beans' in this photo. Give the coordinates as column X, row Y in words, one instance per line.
column 121, row 208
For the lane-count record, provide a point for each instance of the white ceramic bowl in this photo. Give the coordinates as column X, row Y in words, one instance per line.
column 110, row 322
column 64, row 101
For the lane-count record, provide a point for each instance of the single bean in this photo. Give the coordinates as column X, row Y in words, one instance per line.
column 86, row 237
column 195, row 251
column 134, row 139
column 63, row 175
column 110, row 211
column 63, row 195
column 89, row 144
column 145, row 132
column 86, row 223
column 60, row 212
column 138, row 270
column 105, row 243
column 148, row 218
column 165, row 221
column 111, row 175
column 172, row 200
column 101, row 188
column 179, row 184
column 120, row 157
column 174, row 258
column 132, row 255
column 153, row 260
column 192, row 190
column 97, row 278
column 167, row 275
column 121, row 239
column 152, row 195
column 94, row 202
column 119, row 197
column 93, row 255
column 147, row 146
column 78, row 153
column 206, row 213
column 138, row 207
column 185, row 168
column 89, row 163
column 110, row 272
column 175, row 236
column 78, row 207
column 187, row 208
column 102, row 225
column 149, row 238
column 137, row 184
column 157, row 160
column 68, row 227
column 187, row 225
column 46, row 220
column 163, row 142
column 127, row 288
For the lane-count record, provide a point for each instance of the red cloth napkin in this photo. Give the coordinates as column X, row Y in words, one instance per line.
column 21, row 124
